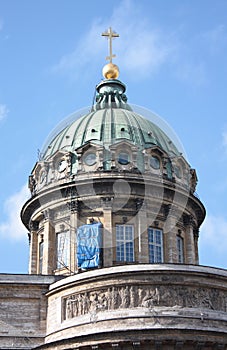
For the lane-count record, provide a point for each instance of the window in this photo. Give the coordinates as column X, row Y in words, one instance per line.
column 125, row 243
column 90, row 159
column 178, row 171
column 155, row 162
column 123, row 158
column 41, row 257
column 180, row 249
column 155, row 245
column 89, row 245
column 63, row 247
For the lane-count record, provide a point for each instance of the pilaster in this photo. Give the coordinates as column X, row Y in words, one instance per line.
column 107, row 232
column 189, row 241
column 34, row 258
column 142, row 226
column 49, row 248
column 196, row 238
column 169, row 231
column 73, row 205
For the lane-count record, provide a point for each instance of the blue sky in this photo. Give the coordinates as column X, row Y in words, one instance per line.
column 172, row 57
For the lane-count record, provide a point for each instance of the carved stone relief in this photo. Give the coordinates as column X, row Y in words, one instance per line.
column 133, row 296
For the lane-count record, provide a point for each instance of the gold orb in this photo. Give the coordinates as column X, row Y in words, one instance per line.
column 110, row 71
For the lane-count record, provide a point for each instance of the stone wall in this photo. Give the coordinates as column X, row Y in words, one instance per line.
column 187, row 300
column 23, row 307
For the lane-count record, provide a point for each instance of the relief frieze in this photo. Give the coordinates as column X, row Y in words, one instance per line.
column 132, row 296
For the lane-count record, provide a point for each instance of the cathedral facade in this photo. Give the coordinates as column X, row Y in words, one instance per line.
column 113, row 223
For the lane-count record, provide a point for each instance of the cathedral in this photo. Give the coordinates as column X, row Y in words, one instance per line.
column 113, row 222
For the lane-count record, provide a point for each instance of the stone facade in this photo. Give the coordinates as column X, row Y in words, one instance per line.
column 23, row 310
column 164, row 206
column 182, row 306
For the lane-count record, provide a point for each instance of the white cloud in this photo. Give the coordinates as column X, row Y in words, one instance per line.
column 86, row 50
column 214, row 235
column 141, row 48
column 3, row 111
column 144, row 47
column 12, row 227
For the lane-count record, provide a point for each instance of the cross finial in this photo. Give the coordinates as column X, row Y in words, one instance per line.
column 110, row 35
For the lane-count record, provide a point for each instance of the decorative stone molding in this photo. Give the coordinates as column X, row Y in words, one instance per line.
column 32, row 184
column 189, row 220
column 133, row 296
column 107, row 202
column 47, row 214
column 34, row 225
column 73, row 206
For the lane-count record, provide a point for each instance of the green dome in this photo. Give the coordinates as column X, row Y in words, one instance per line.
column 111, row 120
column 106, row 127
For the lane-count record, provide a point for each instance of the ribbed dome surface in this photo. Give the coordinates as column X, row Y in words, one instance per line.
column 107, row 126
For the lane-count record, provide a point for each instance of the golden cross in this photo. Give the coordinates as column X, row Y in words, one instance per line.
column 110, row 35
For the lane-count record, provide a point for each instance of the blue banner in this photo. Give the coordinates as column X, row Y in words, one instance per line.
column 89, row 246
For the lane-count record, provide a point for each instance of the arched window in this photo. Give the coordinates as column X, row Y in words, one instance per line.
column 155, row 245
column 180, row 249
column 125, row 243
column 63, row 246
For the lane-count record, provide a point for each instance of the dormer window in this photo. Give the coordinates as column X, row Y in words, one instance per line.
column 178, row 171
column 155, row 162
column 43, row 176
column 123, row 158
column 90, row 158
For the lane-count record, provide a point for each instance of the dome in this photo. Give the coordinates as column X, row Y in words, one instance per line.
column 110, row 120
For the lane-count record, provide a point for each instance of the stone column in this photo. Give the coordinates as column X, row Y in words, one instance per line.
column 196, row 238
column 170, row 237
column 189, row 242
column 49, row 247
column 107, row 232
column 33, row 258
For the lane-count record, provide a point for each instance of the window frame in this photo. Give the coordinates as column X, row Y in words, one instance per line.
column 127, row 254
column 152, row 159
column 180, row 249
column 90, row 161
column 156, row 246
column 121, row 159
column 63, row 258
